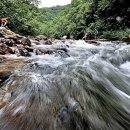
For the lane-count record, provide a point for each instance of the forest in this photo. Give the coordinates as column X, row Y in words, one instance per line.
column 109, row 17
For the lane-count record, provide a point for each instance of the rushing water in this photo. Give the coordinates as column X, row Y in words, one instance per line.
column 86, row 89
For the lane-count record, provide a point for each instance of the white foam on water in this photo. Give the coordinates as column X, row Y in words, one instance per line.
column 126, row 68
column 49, row 60
column 19, row 109
column 13, row 56
column 35, row 78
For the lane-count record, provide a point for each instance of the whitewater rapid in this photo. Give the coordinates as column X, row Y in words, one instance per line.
column 87, row 88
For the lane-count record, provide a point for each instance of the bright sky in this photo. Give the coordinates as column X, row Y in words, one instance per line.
column 50, row 3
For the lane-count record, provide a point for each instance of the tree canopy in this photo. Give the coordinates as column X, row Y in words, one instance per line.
column 82, row 16
column 22, row 15
column 107, row 16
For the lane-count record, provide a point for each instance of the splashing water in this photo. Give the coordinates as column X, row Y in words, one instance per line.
column 90, row 90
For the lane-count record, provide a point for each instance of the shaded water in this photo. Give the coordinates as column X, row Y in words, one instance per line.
column 88, row 90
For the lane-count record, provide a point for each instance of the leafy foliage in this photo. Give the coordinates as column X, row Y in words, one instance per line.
column 106, row 16
column 22, row 15
column 87, row 15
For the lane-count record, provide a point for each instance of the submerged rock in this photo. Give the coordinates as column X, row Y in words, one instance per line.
column 8, row 66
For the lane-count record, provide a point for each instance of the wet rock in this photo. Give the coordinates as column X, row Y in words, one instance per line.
column 4, row 76
column 42, row 42
column 6, row 32
column 12, row 43
column 37, row 52
column 126, row 39
column 20, row 51
column 34, row 42
column 4, row 49
column 29, row 49
column 25, row 41
column 8, row 66
column 10, row 37
column 9, row 42
column 62, row 54
column 2, row 59
column 46, row 42
column 46, row 51
column 41, row 37
column 50, row 49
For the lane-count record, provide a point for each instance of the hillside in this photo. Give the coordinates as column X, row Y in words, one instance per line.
column 109, row 18
column 53, row 12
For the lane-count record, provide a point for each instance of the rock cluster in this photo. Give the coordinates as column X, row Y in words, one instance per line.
column 12, row 43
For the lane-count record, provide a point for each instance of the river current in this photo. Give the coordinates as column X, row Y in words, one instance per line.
column 86, row 88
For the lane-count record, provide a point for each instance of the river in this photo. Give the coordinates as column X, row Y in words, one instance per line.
column 87, row 88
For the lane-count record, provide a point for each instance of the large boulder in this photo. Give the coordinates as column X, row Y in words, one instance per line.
column 8, row 66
